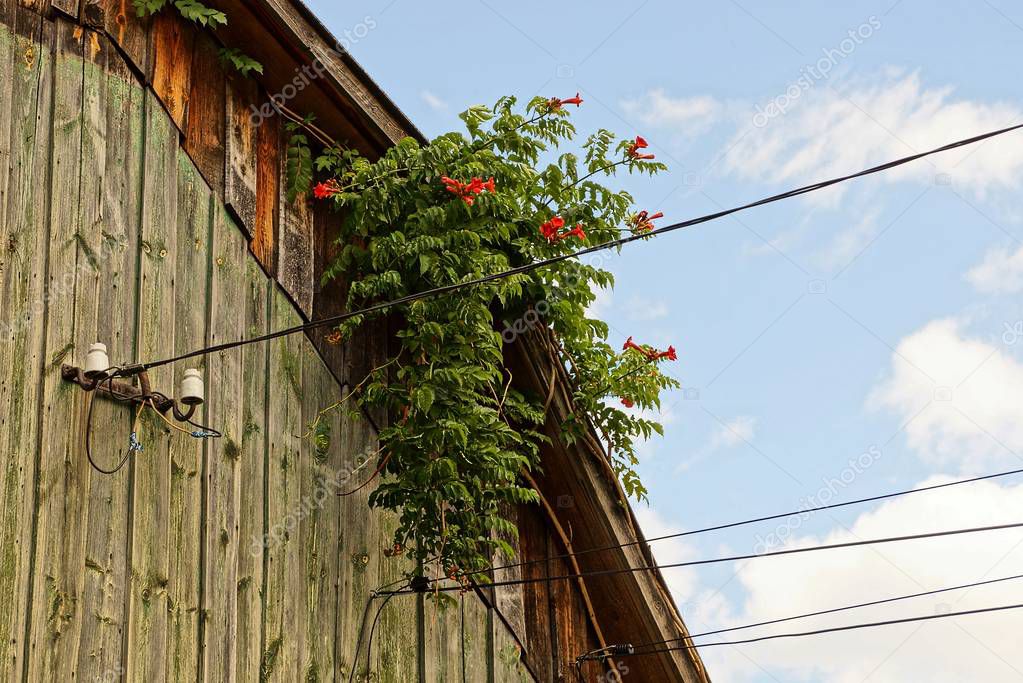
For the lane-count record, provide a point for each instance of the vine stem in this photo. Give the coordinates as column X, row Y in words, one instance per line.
column 337, row 404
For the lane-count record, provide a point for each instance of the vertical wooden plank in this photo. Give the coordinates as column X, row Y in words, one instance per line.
column 204, row 127
column 54, row 581
column 148, row 604
column 539, row 638
column 252, row 472
column 113, row 161
column 281, row 653
column 6, row 88
column 442, row 628
column 477, row 648
column 357, row 527
column 508, row 667
column 360, row 533
column 268, row 194
column 321, row 471
column 223, row 484
column 129, row 32
column 172, row 41
column 240, row 153
column 395, row 652
column 295, row 250
column 191, row 296
column 63, row 478
column 24, row 235
column 509, row 600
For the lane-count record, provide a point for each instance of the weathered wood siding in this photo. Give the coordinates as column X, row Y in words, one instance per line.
column 222, row 560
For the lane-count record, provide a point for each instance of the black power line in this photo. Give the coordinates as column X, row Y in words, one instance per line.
column 732, row 558
column 835, row 610
column 536, row 265
column 836, row 629
column 746, row 522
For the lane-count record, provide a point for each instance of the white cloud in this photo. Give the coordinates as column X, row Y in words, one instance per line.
column 974, row 648
column 433, row 101
column 830, row 133
column 961, row 399
column 731, row 433
column 689, row 115
column 734, row 432
column 1000, row 273
column 848, row 243
column 646, row 310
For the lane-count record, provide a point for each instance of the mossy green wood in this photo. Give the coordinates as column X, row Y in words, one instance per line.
column 111, row 185
column 357, row 575
column 185, row 537
column 320, row 467
column 226, row 409
column 26, row 125
column 507, row 656
column 148, row 602
column 253, row 464
column 442, row 629
column 63, row 478
column 477, row 645
column 281, row 654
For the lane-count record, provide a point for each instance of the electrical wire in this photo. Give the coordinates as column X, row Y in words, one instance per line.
column 536, row 265
column 133, row 444
column 373, row 628
column 835, row 610
column 736, row 558
column 756, row 520
column 836, row 629
column 358, row 643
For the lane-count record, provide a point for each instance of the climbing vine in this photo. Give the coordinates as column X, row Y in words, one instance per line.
column 502, row 194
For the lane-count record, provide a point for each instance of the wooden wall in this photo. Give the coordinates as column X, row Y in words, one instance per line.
column 115, row 225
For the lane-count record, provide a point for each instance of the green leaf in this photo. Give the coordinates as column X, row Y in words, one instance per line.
column 424, row 398
column 200, row 13
column 240, row 61
column 299, row 166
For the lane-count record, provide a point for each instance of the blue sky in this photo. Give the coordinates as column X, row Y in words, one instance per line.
column 876, row 324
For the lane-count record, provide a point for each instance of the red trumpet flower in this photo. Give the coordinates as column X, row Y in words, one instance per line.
column 577, row 231
column 651, row 354
column 629, row 344
column 552, row 230
column 557, row 103
column 627, row 403
column 326, row 190
column 467, row 191
column 669, row 354
column 638, row 144
column 644, row 222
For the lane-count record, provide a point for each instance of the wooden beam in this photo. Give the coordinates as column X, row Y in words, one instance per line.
column 25, row 136
column 205, row 127
column 171, row 44
column 127, row 30
column 295, row 249
column 268, row 194
column 241, row 142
